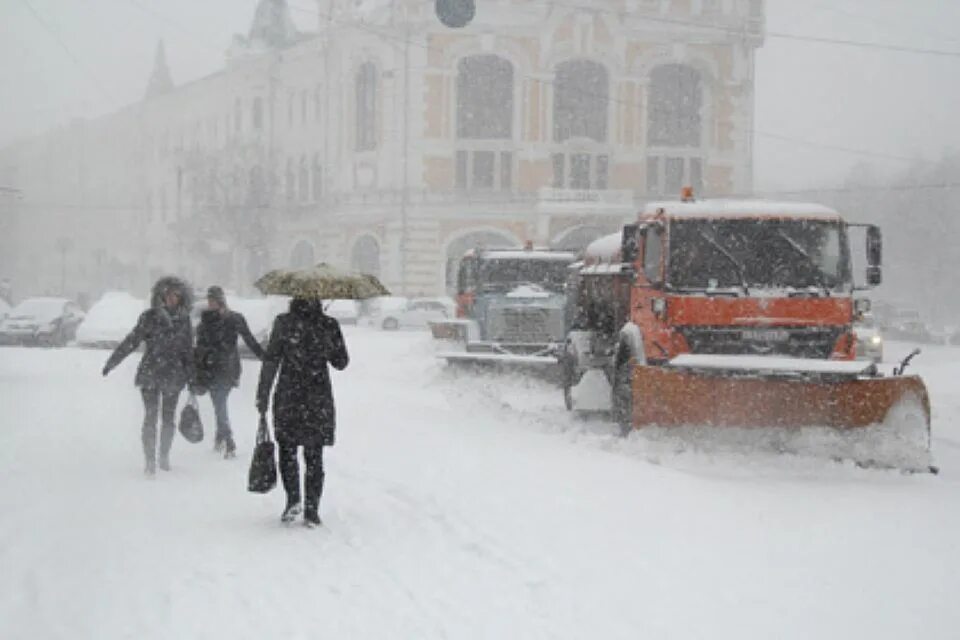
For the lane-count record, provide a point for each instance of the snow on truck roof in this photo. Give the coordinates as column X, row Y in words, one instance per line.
column 528, row 254
column 741, row 209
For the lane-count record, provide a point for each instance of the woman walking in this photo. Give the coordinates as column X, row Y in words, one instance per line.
column 218, row 361
column 302, row 343
column 166, row 366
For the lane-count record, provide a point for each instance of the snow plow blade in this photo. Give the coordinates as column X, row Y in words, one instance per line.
column 739, row 391
column 504, row 359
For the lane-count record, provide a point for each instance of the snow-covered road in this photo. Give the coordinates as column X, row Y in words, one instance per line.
column 460, row 507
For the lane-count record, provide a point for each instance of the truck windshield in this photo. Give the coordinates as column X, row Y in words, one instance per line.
column 757, row 254
column 506, row 273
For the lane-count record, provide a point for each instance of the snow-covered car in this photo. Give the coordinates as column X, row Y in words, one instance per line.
column 110, row 320
column 911, row 331
column 345, row 311
column 393, row 313
column 869, row 341
column 42, row 321
column 259, row 314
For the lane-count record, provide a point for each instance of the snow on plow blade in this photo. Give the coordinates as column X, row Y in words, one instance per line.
column 742, row 391
column 475, row 357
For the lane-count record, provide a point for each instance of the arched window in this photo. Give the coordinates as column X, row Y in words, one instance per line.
column 365, row 256
column 302, row 255
column 366, row 107
column 290, row 182
column 303, row 180
column 484, row 113
column 457, row 248
column 485, row 98
column 257, row 115
column 580, row 101
column 317, row 171
column 676, row 97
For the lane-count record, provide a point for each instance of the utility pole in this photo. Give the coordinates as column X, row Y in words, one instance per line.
column 405, row 182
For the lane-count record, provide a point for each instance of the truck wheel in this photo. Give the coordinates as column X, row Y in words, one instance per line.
column 622, row 397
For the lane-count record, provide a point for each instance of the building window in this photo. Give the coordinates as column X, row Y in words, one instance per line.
column 676, row 98
column 237, row 115
column 317, row 178
column 303, row 180
column 257, row 115
column 485, row 98
column 258, row 188
column 317, row 105
column 303, row 107
column 581, row 170
column 581, row 98
column 366, row 107
column 484, row 159
column 667, row 175
column 291, row 98
column 290, row 182
column 484, row 169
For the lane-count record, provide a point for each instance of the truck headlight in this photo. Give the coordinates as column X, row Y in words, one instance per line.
column 876, row 340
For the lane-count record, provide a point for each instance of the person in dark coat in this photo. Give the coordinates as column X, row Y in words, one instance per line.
column 166, row 366
column 218, row 361
column 302, row 343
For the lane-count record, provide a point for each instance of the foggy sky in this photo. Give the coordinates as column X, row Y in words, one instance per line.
column 95, row 56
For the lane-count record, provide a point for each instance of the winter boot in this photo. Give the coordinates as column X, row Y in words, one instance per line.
column 150, row 469
column 229, row 448
column 218, row 444
column 290, row 513
column 164, row 461
column 311, row 519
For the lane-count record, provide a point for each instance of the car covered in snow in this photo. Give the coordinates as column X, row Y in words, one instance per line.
column 109, row 320
column 869, row 341
column 391, row 313
column 42, row 321
column 345, row 311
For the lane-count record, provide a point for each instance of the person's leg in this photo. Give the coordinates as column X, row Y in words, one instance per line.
column 148, row 433
column 168, row 427
column 313, row 483
column 219, row 393
column 290, row 474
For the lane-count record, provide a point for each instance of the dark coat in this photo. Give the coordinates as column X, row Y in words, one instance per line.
column 216, row 357
column 167, row 362
column 302, row 343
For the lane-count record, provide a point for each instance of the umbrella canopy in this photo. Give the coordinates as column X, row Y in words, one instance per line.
column 321, row 282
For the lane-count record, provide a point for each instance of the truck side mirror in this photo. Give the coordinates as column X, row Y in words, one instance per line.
column 874, row 255
column 630, row 244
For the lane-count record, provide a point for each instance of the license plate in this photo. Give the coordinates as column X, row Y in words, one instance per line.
column 765, row 335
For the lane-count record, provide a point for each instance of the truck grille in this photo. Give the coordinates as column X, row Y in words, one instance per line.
column 796, row 342
column 523, row 325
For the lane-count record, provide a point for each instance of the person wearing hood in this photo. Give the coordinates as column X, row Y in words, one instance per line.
column 217, row 360
column 302, row 344
column 166, row 366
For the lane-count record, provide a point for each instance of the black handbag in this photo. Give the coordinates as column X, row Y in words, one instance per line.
column 263, row 467
column 190, row 426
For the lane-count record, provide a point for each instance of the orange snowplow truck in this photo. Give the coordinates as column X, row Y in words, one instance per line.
column 731, row 313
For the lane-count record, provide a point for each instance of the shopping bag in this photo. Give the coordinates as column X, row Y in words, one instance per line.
column 190, row 426
column 263, row 467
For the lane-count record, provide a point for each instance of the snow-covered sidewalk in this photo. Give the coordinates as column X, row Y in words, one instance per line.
column 461, row 507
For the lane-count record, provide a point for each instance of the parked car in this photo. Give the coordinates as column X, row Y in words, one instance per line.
column 911, row 331
column 869, row 341
column 42, row 321
column 110, row 320
column 392, row 313
column 345, row 311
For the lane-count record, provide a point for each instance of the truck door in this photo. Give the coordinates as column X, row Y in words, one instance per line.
column 648, row 289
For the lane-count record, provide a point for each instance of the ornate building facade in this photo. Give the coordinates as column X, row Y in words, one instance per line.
column 384, row 142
